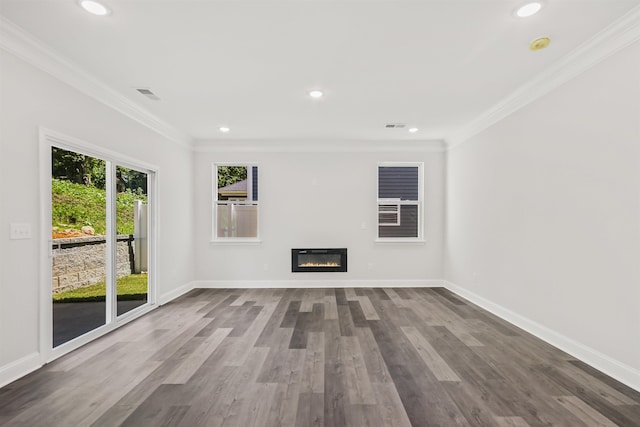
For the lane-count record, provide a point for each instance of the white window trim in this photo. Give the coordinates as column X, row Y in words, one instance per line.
column 214, row 220
column 420, row 203
column 399, row 241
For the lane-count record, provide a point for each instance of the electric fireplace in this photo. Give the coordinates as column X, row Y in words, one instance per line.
column 319, row 260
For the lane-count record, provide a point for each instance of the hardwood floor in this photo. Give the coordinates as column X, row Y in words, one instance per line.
column 318, row 357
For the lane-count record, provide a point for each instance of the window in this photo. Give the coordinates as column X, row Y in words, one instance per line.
column 400, row 201
column 235, row 211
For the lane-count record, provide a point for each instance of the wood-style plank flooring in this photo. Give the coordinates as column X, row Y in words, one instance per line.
column 318, row 357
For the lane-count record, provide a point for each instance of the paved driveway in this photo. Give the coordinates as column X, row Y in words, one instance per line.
column 72, row 319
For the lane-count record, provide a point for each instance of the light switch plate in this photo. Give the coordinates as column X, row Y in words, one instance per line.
column 20, row 230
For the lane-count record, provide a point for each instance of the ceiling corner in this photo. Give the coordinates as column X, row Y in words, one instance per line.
column 620, row 34
column 23, row 45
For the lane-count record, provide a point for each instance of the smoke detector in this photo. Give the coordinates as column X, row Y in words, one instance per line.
column 539, row 43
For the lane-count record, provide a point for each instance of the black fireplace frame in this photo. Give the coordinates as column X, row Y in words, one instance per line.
column 342, row 268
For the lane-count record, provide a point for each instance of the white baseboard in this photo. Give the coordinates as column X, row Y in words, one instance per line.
column 19, row 368
column 243, row 284
column 170, row 296
column 615, row 369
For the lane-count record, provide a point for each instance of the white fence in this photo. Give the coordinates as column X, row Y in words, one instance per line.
column 140, row 236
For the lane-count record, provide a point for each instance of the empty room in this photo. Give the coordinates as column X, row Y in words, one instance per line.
column 320, row 213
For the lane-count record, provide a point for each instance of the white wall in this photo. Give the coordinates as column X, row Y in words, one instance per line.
column 30, row 98
column 319, row 199
column 544, row 209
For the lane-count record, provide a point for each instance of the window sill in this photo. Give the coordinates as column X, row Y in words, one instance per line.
column 237, row 241
column 400, row 241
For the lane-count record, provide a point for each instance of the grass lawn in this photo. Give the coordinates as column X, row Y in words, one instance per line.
column 74, row 205
column 133, row 287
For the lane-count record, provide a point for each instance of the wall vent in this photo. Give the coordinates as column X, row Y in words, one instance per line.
column 395, row 125
column 147, row 92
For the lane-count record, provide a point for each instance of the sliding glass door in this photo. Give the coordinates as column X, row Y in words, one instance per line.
column 100, row 246
column 132, row 263
column 79, row 244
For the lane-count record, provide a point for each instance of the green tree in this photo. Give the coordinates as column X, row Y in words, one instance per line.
column 130, row 179
column 228, row 175
column 77, row 168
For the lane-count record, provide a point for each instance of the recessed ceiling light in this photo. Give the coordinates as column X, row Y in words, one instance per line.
column 528, row 9
column 224, row 129
column 316, row 94
column 95, row 7
column 413, row 130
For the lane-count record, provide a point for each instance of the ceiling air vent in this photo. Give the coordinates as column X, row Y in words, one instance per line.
column 147, row 92
column 394, row 125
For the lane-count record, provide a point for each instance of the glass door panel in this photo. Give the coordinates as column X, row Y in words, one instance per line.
column 78, row 232
column 132, row 249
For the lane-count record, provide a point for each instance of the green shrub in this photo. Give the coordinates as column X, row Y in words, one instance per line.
column 77, row 205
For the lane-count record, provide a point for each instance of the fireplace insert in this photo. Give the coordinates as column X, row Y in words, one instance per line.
column 319, row 260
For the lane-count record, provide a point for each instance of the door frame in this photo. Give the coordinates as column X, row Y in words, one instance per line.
column 47, row 139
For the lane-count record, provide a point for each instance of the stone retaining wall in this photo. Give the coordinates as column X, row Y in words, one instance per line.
column 80, row 261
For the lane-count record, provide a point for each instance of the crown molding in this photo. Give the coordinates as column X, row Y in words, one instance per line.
column 18, row 42
column 317, row 146
column 620, row 34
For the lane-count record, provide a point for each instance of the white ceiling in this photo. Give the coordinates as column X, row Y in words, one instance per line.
column 432, row 64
